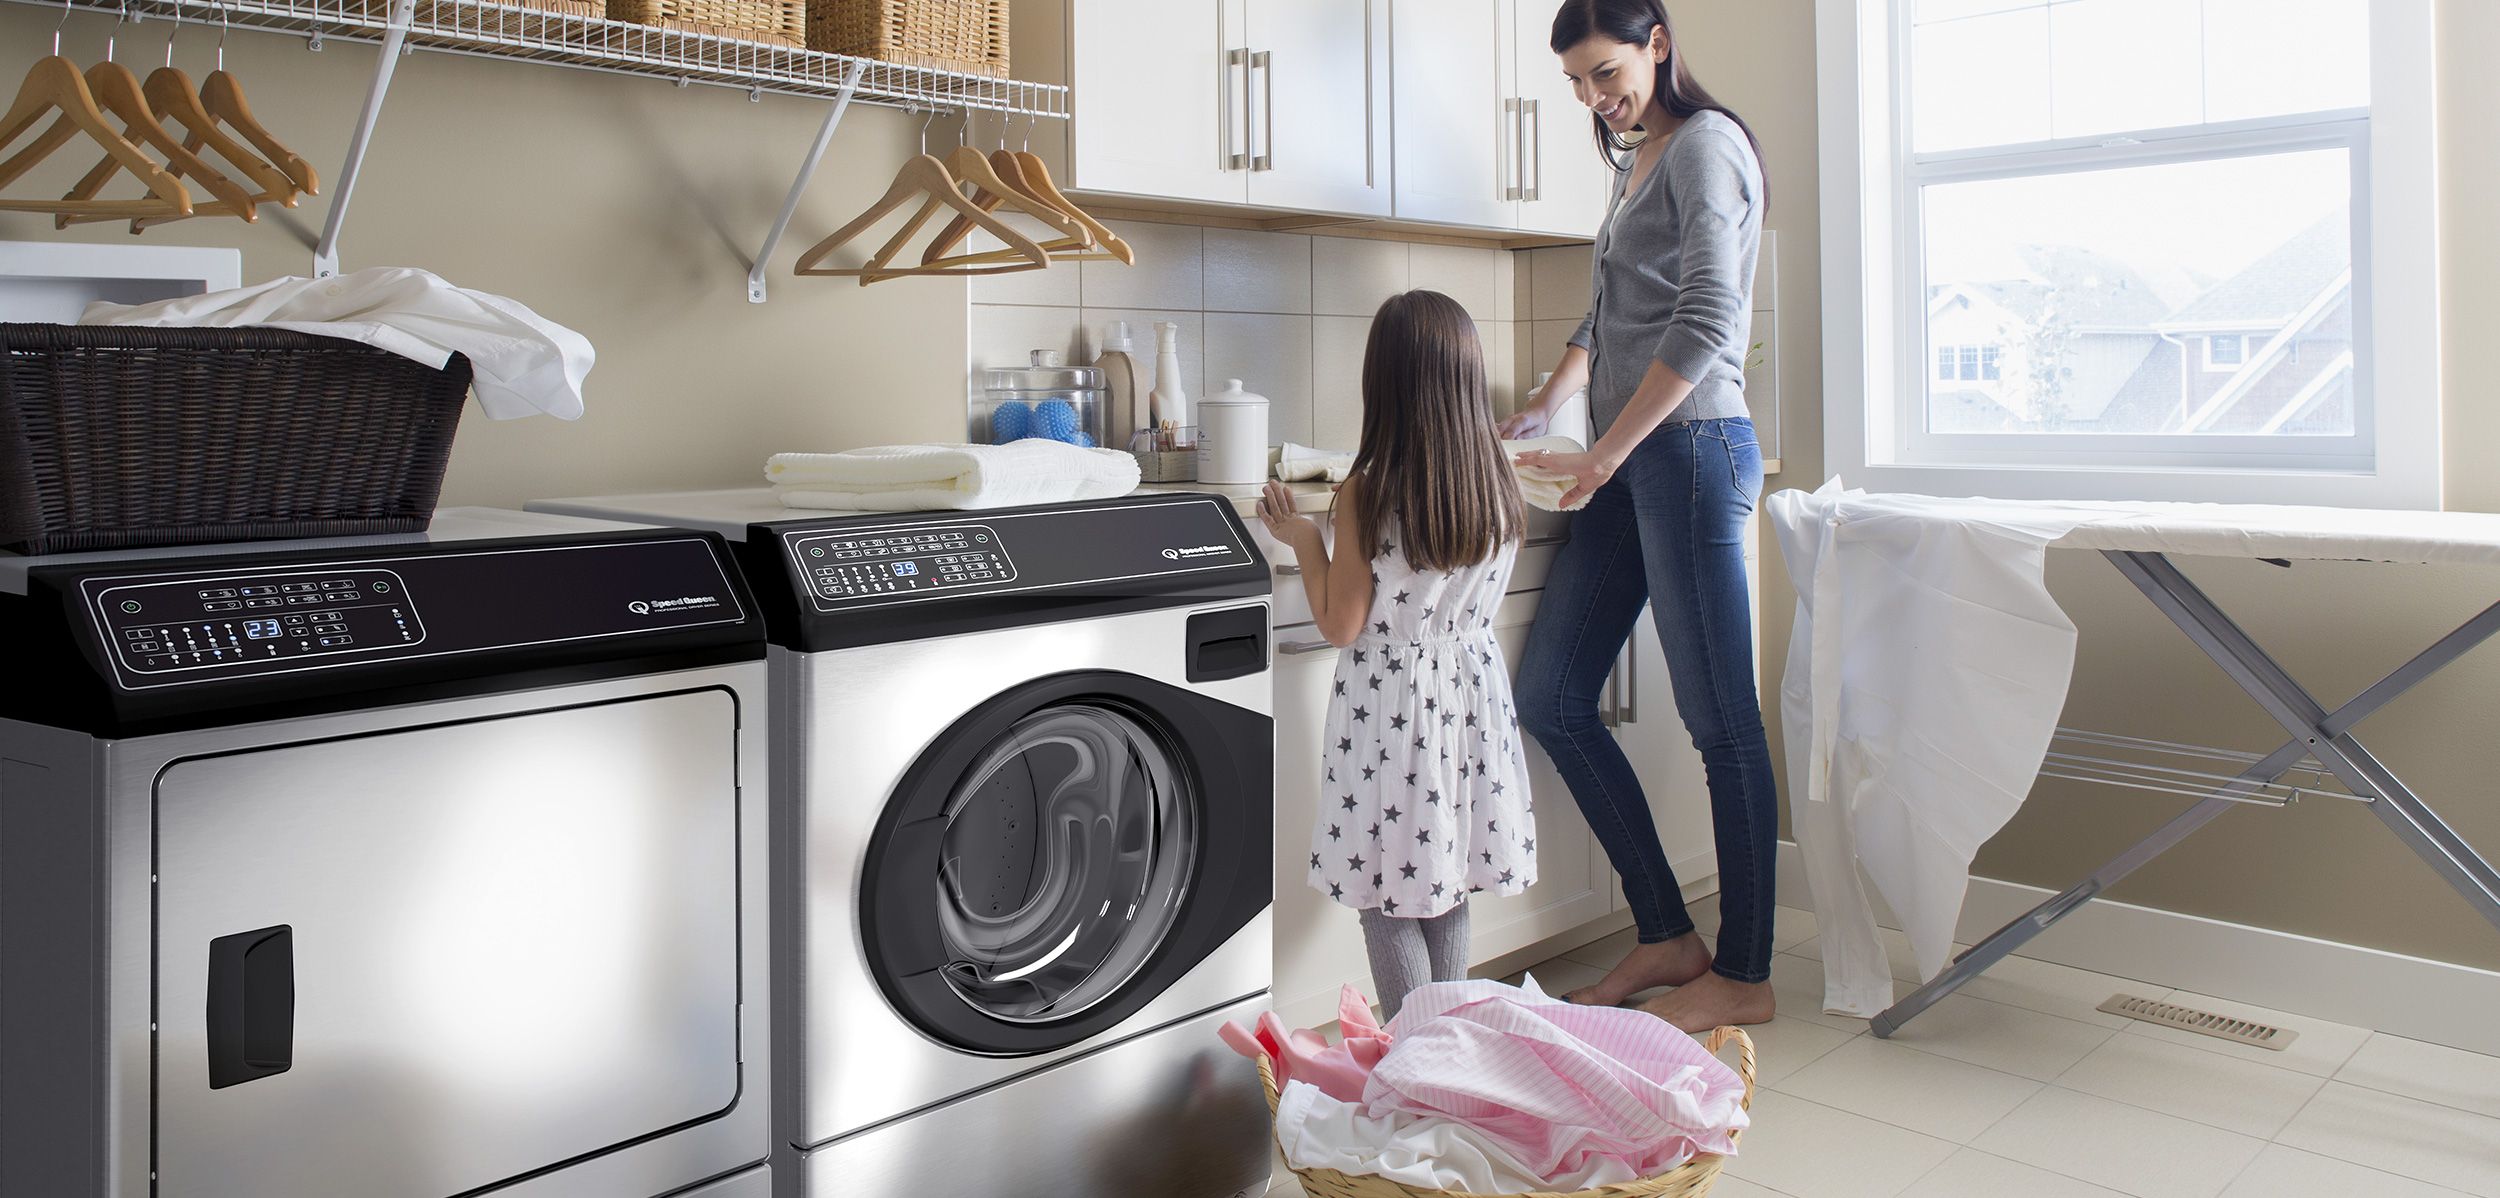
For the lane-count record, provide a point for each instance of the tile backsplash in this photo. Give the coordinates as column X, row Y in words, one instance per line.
column 1286, row 313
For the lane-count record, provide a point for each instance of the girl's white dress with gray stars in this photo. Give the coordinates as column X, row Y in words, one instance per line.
column 1424, row 797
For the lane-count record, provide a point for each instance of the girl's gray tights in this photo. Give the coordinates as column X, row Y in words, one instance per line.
column 1407, row 953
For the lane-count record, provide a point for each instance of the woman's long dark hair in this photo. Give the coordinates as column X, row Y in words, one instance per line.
column 1630, row 21
column 1431, row 457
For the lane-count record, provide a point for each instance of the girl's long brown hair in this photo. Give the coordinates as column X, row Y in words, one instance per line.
column 1630, row 22
column 1431, row 458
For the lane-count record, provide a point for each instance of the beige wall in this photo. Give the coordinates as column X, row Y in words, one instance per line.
column 626, row 208
column 2325, row 868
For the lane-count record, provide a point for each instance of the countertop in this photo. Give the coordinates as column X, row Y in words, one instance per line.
column 728, row 512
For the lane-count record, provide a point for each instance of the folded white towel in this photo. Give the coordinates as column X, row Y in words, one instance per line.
column 1544, row 489
column 524, row 364
column 907, row 478
column 1302, row 464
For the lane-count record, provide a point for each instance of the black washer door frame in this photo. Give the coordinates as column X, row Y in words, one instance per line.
column 1223, row 757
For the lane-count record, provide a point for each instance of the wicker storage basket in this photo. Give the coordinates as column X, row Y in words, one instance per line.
column 1692, row 1179
column 124, row 437
column 780, row 22
column 947, row 35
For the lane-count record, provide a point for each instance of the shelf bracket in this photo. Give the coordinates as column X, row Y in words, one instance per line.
column 798, row 186
column 395, row 34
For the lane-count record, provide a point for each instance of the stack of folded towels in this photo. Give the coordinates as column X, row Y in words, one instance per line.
column 908, row 478
column 1542, row 488
column 1482, row 1088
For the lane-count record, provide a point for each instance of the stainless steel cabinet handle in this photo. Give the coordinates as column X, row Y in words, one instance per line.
column 1532, row 116
column 1288, row 571
column 1610, row 713
column 1236, row 158
column 1371, row 111
column 1304, row 648
column 1264, row 139
column 1510, row 159
column 1631, row 712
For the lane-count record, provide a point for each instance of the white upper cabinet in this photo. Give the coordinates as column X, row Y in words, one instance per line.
column 1563, row 183
column 1449, row 112
column 1318, row 103
column 1276, row 103
column 1155, row 107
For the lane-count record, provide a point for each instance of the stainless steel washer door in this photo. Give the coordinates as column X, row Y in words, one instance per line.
column 413, row 964
column 1064, row 862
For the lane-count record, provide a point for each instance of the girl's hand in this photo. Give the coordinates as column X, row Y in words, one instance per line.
column 1527, row 424
column 1592, row 470
column 1276, row 512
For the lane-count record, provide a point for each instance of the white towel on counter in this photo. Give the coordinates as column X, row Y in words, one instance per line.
column 908, row 478
column 524, row 364
column 1544, row 489
column 1303, row 464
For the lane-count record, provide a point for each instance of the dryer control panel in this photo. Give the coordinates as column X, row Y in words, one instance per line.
column 202, row 622
column 847, row 565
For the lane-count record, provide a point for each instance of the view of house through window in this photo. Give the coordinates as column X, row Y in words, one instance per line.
column 2202, row 297
column 2136, row 217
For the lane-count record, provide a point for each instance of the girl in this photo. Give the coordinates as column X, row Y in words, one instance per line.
column 1425, row 799
column 1673, row 476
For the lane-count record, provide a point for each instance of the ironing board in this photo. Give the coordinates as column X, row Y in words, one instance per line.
column 2140, row 540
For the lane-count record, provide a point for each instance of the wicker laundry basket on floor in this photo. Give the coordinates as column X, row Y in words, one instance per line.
column 1692, row 1179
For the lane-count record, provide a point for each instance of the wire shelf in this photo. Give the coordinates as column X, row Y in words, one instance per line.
column 575, row 39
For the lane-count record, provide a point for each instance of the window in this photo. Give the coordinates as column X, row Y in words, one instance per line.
column 2162, row 248
column 2225, row 351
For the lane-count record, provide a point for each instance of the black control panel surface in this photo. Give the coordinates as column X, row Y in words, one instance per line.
column 181, row 636
column 856, row 580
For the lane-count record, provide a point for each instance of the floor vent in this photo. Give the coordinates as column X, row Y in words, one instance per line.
column 2203, row 1023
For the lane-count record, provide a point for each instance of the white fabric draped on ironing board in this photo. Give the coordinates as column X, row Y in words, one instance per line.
column 1929, row 664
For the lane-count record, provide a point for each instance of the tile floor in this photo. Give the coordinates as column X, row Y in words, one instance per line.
column 2018, row 1088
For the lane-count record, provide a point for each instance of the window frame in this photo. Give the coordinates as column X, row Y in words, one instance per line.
column 1876, row 352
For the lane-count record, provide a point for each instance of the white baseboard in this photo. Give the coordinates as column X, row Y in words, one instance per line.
column 2412, row 997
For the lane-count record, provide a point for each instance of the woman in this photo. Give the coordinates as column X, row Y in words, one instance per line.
column 1671, row 480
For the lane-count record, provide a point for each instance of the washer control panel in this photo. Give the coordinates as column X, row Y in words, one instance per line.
column 924, row 559
column 1103, row 547
column 162, row 627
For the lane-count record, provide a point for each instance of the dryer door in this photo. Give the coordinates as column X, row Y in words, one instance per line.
column 1063, row 854
column 426, row 961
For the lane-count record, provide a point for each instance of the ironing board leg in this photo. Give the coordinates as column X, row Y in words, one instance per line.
column 2315, row 733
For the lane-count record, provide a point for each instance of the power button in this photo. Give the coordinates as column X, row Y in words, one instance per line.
column 131, row 606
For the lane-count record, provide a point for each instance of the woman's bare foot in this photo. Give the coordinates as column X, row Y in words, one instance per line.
column 1712, row 1001
column 1647, row 967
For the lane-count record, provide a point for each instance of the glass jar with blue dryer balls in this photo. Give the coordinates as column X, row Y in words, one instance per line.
column 1047, row 399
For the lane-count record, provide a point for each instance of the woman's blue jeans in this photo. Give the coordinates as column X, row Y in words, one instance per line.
column 1667, row 530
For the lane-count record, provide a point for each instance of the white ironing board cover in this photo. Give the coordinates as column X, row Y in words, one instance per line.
column 1928, row 666
column 2268, row 531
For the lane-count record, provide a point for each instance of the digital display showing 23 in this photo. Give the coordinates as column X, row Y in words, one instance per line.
column 261, row 630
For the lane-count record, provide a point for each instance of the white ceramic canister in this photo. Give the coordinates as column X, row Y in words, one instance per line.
column 1232, row 437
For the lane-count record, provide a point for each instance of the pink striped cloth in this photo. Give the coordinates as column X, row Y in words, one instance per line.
column 1558, row 1085
column 1339, row 1070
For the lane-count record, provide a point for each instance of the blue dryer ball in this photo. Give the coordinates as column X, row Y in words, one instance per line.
column 1055, row 419
column 1011, row 421
column 1084, row 440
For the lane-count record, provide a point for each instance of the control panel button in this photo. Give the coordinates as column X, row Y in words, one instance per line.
column 379, row 588
column 223, row 605
column 298, row 588
column 264, row 603
column 333, row 641
column 217, row 594
column 336, row 584
column 351, row 596
column 260, row 590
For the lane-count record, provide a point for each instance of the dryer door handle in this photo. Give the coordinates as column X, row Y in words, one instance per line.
column 251, row 1005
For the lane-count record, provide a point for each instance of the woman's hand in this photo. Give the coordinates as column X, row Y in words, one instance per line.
column 1591, row 470
column 1527, row 423
column 1276, row 512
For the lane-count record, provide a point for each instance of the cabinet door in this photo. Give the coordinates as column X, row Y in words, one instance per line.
column 1319, row 105
column 1454, row 120
column 1564, row 182
column 1157, row 106
column 1651, row 731
column 1573, row 883
column 1319, row 944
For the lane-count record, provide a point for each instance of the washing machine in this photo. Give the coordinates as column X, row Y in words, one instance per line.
column 395, row 867
column 1029, row 759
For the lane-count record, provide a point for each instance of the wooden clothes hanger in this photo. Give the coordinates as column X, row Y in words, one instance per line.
column 117, row 90
column 55, row 84
column 222, row 97
column 1029, row 178
column 927, row 179
column 169, row 95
